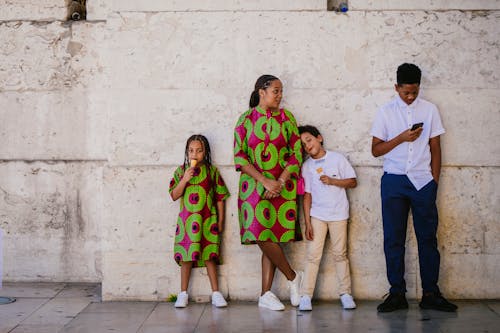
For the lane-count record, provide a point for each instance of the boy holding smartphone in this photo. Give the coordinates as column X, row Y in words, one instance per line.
column 412, row 164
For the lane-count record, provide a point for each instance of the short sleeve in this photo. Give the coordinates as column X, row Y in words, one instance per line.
column 295, row 146
column 436, row 125
column 307, row 177
column 379, row 128
column 221, row 191
column 347, row 171
column 178, row 174
column 240, row 143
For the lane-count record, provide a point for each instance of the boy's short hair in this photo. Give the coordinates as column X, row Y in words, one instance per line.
column 311, row 130
column 408, row 74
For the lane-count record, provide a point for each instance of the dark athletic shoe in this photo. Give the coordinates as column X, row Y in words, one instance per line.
column 436, row 301
column 393, row 302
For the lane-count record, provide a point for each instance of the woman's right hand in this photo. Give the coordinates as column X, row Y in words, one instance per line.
column 273, row 188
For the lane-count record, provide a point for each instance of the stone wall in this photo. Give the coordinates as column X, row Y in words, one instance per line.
column 94, row 117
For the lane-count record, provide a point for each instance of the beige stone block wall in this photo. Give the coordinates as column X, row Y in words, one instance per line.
column 50, row 215
column 423, row 4
column 94, row 117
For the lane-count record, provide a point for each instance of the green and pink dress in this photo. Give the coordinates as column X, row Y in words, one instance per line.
column 197, row 236
column 269, row 141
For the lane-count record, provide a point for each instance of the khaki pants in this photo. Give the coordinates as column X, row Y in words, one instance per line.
column 338, row 238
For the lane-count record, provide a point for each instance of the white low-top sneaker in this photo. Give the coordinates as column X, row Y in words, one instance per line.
column 294, row 289
column 271, row 301
column 347, row 302
column 305, row 303
column 182, row 300
column 218, row 300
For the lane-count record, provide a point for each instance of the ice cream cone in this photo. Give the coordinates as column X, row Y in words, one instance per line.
column 193, row 163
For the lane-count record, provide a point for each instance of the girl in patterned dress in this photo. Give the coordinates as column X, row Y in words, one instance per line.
column 267, row 152
column 202, row 191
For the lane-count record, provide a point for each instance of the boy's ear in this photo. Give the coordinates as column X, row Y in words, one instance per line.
column 320, row 138
column 396, row 87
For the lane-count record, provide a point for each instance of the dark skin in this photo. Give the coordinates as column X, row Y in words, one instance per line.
column 272, row 254
column 408, row 93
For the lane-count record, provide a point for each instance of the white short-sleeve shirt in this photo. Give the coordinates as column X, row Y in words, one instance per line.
column 409, row 158
column 329, row 202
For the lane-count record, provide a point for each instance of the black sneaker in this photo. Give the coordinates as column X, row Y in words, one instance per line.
column 436, row 301
column 395, row 301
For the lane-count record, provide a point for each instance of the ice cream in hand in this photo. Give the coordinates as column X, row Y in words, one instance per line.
column 193, row 163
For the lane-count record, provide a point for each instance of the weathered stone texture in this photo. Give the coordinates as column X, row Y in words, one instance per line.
column 138, row 240
column 423, row 4
column 33, row 10
column 216, row 5
column 121, row 96
column 50, row 214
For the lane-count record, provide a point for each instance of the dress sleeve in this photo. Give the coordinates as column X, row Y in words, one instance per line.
column 178, row 174
column 221, row 191
column 240, row 143
column 294, row 160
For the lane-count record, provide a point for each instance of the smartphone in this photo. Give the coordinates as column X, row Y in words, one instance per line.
column 417, row 125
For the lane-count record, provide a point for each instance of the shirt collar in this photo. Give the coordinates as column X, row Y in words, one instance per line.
column 402, row 103
column 265, row 113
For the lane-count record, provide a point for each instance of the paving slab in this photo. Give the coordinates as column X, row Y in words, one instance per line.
column 31, row 289
column 13, row 314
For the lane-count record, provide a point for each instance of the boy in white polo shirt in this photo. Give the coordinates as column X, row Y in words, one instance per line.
column 326, row 176
column 406, row 132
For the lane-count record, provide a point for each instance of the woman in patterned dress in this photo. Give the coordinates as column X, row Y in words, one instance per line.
column 201, row 219
column 267, row 152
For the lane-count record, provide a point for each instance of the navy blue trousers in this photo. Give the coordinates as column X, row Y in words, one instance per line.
column 398, row 197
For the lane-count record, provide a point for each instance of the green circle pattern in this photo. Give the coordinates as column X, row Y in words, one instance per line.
column 194, row 218
column 289, row 195
column 284, row 221
column 248, row 237
column 182, row 231
column 209, row 249
column 270, row 149
column 275, row 129
column 195, row 247
column 259, row 213
column 182, row 251
column 287, row 236
column 200, row 191
column 246, row 207
column 258, row 127
column 267, row 235
column 212, row 238
column 251, row 186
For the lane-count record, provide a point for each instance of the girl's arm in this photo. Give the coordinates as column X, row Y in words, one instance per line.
column 435, row 145
column 307, row 216
column 344, row 183
column 178, row 190
column 221, row 215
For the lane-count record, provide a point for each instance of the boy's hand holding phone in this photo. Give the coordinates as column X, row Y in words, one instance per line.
column 417, row 125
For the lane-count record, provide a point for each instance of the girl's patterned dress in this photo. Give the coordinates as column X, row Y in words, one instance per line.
column 270, row 141
column 197, row 235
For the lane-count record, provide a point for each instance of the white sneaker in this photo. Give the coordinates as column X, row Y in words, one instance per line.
column 218, row 300
column 305, row 303
column 347, row 302
column 294, row 289
column 271, row 301
column 182, row 300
